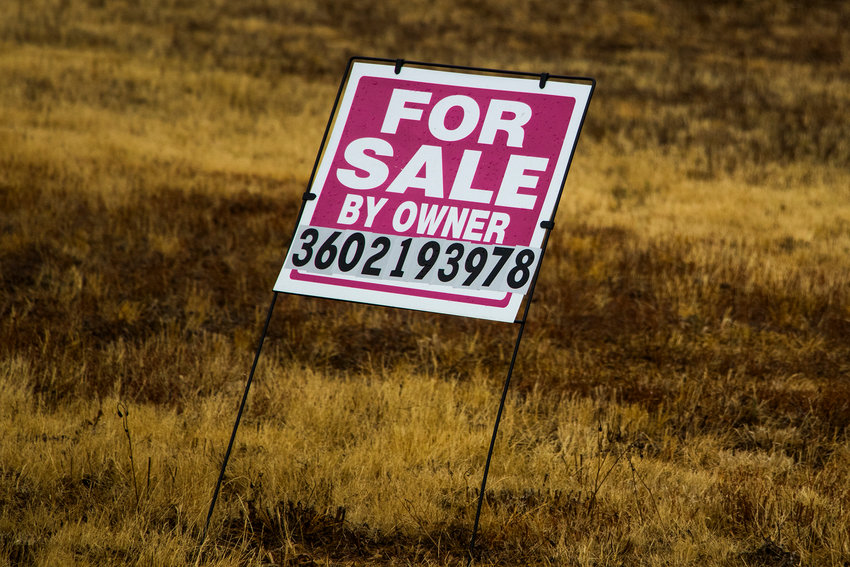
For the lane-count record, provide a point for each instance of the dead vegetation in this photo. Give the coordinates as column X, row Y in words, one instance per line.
column 682, row 394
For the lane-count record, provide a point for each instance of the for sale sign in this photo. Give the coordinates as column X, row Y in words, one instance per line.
column 431, row 189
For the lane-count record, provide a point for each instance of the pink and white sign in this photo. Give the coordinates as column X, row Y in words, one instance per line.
column 431, row 190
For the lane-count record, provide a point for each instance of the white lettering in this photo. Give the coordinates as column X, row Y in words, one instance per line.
column 350, row 211
column 475, row 224
column 495, row 120
column 400, row 225
column 429, row 157
column 373, row 207
column 455, row 222
column 515, row 178
column 462, row 187
column 452, row 222
column 437, row 119
column 496, row 227
column 355, row 155
column 430, row 218
column 396, row 109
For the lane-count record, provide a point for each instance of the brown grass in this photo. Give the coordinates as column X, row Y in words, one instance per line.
column 683, row 390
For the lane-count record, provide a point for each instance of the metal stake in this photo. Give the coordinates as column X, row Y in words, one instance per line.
column 235, row 427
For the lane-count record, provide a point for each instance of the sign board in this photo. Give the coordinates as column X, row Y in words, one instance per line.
column 431, row 188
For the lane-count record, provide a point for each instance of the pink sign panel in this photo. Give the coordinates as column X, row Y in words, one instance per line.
column 431, row 190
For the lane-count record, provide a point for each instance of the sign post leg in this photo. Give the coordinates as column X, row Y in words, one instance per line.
column 548, row 225
column 236, row 426
column 493, row 440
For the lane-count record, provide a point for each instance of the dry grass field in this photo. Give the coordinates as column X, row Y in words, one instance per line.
column 682, row 396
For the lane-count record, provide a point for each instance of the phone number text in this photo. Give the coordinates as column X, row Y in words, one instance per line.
column 406, row 259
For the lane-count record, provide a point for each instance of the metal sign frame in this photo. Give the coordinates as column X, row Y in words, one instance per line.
column 541, row 236
column 373, row 229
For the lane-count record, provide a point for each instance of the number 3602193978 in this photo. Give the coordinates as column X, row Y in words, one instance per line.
column 411, row 259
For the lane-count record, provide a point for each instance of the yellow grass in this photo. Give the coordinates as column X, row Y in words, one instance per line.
column 682, row 393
